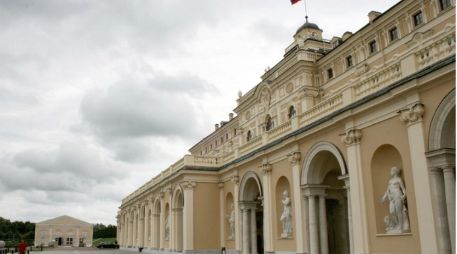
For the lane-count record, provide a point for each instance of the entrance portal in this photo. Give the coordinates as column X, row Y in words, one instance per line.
column 327, row 200
column 251, row 214
column 59, row 241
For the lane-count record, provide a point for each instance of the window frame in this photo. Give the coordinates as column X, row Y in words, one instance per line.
column 373, row 50
column 248, row 136
column 330, row 73
column 442, row 7
column 420, row 14
column 292, row 112
column 397, row 34
column 349, row 61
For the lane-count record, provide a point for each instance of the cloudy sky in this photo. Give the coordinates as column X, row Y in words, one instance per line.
column 97, row 97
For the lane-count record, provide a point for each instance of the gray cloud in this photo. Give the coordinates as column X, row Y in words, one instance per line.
column 157, row 107
column 130, row 116
column 71, row 167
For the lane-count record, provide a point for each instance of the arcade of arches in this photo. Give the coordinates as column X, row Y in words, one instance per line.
column 335, row 205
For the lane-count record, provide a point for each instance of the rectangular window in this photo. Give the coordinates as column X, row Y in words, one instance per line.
column 330, row 73
column 393, row 34
column 444, row 4
column 373, row 46
column 418, row 18
column 69, row 241
column 348, row 61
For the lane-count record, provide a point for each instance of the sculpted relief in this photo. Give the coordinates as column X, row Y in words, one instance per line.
column 231, row 221
column 286, row 216
column 397, row 220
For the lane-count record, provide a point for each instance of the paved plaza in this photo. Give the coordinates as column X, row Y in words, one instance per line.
column 84, row 251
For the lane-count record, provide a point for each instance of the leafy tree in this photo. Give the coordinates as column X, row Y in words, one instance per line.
column 102, row 231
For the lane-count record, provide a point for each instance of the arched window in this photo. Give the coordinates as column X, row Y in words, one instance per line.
column 292, row 112
column 268, row 123
column 249, row 136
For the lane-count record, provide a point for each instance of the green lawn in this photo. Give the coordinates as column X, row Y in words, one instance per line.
column 97, row 241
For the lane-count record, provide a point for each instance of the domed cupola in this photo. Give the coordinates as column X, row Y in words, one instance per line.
column 308, row 31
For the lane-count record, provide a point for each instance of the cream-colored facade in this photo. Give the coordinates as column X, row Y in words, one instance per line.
column 310, row 162
column 63, row 231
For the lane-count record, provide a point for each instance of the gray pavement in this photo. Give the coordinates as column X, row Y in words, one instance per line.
column 84, row 251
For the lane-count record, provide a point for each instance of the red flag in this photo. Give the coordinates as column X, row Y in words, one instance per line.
column 294, row 1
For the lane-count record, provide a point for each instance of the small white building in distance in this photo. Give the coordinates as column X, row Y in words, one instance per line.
column 64, row 231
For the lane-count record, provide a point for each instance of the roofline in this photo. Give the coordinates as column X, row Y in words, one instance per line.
column 361, row 29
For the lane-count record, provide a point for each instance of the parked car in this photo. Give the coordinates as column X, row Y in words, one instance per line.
column 108, row 246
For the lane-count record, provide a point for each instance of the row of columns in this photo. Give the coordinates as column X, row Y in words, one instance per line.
column 248, row 211
column 317, row 222
column 141, row 227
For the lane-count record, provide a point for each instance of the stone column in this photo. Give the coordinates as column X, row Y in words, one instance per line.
column 449, row 187
column 171, row 218
column 131, row 227
column 301, row 246
column 156, row 233
column 359, row 224
column 141, row 226
column 162, row 221
column 235, row 181
column 412, row 117
column 323, row 225
column 245, row 214
column 347, row 186
column 308, row 95
column 313, row 237
column 439, row 201
column 253, row 231
column 150, row 221
column 179, row 229
column 222, row 214
column 188, row 215
column 267, row 208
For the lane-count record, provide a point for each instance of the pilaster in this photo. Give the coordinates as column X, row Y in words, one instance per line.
column 171, row 219
column 236, row 189
column 267, row 207
column 352, row 138
column 412, row 117
column 188, row 218
column 222, row 214
column 299, row 212
column 162, row 220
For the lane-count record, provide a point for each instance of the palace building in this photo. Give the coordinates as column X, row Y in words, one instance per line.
column 346, row 146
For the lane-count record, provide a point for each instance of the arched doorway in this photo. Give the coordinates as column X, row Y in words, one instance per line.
column 441, row 162
column 252, row 214
column 326, row 199
column 178, row 206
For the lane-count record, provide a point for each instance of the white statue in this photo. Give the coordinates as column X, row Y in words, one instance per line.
column 397, row 220
column 167, row 228
column 231, row 220
column 286, row 216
